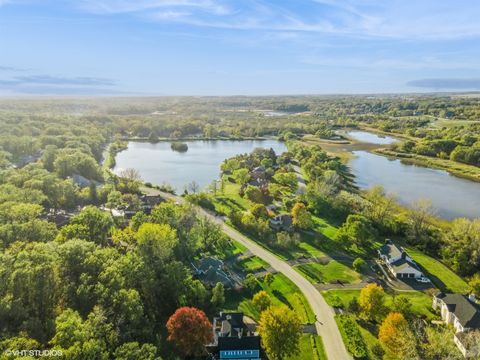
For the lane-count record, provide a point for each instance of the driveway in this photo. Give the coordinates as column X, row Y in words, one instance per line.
column 301, row 181
column 325, row 325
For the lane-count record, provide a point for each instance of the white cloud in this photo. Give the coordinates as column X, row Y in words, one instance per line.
column 137, row 6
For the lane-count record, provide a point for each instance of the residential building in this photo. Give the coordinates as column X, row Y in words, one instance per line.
column 235, row 338
column 398, row 262
column 282, row 222
column 210, row 271
column 463, row 313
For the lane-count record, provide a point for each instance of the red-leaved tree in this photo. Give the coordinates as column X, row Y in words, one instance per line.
column 190, row 330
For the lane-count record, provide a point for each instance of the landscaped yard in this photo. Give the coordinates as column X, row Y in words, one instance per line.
column 230, row 199
column 329, row 273
column 421, row 302
column 252, row 264
column 441, row 275
column 311, row 348
column 282, row 292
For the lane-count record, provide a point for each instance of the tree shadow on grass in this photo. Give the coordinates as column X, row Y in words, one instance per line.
column 282, row 298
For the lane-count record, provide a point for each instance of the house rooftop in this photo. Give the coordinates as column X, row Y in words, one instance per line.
column 467, row 313
column 391, row 250
column 402, row 264
column 232, row 333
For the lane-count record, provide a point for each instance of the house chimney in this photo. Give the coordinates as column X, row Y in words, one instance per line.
column 472, row 298
column 388, row 241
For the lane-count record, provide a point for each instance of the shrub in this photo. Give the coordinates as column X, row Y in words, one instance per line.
column 351, row 336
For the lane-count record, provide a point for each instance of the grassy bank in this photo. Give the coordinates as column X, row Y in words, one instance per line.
column 469, row 172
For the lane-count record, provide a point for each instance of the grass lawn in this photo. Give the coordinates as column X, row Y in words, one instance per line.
column 230, row 199
column 441, row 275
column 252, row 264
column 324, row 227
column 232, row 248
column 311, row 348
column 282, row 292
column 421, row 302
column 310, row 250
column 333, row 271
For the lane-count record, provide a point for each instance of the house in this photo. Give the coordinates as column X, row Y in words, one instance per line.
column 210, row 271
column 282, row 222
column 258, row 172
column 149, row 202
column 83, row 182
column 398, row 262
column 234, row 337
column 59, row 217
column 464, row 315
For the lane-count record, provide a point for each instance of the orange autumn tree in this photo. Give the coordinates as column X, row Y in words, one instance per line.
column 190, row 330
column 396, row 336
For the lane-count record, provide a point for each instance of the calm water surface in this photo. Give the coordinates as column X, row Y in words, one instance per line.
column 158, row 163
column 371, row 138
column 451, row 196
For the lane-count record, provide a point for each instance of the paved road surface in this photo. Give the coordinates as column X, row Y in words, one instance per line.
column 326, row 325
column 301, row 181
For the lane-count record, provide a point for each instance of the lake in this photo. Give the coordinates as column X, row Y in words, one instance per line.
column 159, row 164
column 451, row 196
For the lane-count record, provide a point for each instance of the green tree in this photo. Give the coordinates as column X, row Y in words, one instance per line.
column 241, row 176
column 357, row 230
column 97, row 223
column 133, row 351
column 261, row 300
column 301, row 217
column 359, row 264
column 254, row 194
column 218, row 295
column 280, row 330
column 156, row 241
column 250, row 282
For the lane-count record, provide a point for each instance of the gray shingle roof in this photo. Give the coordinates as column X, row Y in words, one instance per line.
column 390, row 250
column 467, row 313
column 402, row 264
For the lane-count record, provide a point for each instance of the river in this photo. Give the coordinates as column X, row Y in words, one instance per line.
column 451, row 196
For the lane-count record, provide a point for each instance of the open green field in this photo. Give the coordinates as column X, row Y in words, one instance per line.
column 329, row 273
column 441, row 275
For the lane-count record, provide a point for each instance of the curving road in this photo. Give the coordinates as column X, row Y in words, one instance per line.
column 326, row 325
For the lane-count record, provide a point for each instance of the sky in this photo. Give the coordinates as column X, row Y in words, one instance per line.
column 247, row 47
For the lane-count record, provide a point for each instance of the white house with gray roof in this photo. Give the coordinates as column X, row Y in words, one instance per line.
column 398, row 262
column 464, row 315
